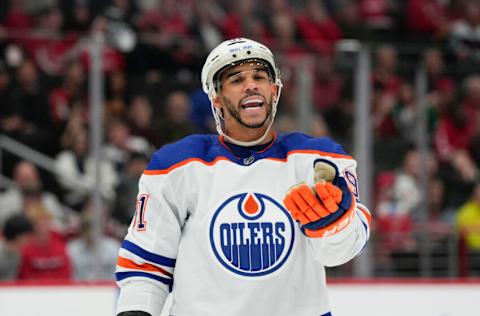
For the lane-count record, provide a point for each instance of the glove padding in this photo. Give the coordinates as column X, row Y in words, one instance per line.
column 318, row 208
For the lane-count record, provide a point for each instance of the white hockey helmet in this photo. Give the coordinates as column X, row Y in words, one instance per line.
column 230, row 53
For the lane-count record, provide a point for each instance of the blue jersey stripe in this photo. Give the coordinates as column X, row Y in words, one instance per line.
column 123, row 275
column 164, row 261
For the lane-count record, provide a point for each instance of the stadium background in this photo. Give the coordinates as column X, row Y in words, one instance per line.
column 396, row 82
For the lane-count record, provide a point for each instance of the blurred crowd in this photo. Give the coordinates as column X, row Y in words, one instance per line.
column 153, row 97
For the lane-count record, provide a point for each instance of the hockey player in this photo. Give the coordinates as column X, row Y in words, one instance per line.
column 241, row 223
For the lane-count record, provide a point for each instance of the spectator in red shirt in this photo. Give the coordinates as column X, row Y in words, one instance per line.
column 317, row 28
column 435, row 68
column 327, row 85
column 233, row 25
column 427, row 18
column 284, row 32
column 44, row 257
column 47, row 44
column 458, row 123
column 141, row 118
column 464, row 34
column 17, row 20
column 385, row 77
column 72, row 88
column 377, row 14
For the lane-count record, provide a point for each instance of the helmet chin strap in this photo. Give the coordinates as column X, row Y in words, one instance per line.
column 218, row 123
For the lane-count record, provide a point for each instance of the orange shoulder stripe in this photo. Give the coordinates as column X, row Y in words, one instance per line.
column 129, row 264
column 183, row 163
column 211, row 163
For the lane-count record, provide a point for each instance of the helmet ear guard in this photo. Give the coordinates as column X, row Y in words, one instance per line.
column 230, row 53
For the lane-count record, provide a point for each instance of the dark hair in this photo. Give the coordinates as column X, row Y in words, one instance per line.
column 15, row 226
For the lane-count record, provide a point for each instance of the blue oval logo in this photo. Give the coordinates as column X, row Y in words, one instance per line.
column 251, row 234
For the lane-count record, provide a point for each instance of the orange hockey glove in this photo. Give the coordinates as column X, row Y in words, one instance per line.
column 321, row 209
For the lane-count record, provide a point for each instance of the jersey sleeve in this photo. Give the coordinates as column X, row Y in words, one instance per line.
column 348, row 236
column 147, row 257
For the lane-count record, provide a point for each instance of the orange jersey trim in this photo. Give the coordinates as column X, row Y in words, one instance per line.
column 129, row 264
column 211, row 163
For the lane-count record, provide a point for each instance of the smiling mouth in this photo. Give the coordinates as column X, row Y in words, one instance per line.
column 252, row 103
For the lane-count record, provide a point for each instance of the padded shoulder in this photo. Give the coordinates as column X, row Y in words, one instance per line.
column 194, row 146
column 300, row 141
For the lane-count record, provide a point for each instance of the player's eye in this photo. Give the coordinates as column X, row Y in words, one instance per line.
column 236, row 79
column 261, row 76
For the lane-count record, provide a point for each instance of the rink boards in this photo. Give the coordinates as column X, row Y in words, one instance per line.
column 348, row 297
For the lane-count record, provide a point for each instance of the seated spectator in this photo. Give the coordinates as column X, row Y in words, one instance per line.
column 406, row 188
column 440, row 217
column 116, row 98
column 458, row 122
column 434, row 62
column 399, row 199
column 427, row 19
column 113, row 59
column 62, row 98
column 166, row 45
column 83, row 256
column 383, row 116
column 234, row 23
column 47, row 44
column 78, row 15
column 378, row 17
column 206, row 23
column 349, row 21
column 406, row 113
column 284, row 33
column 458, row 174
column 327, row 85
column 29, row 191
column 385, row 77
column 176, row 122
column 465, row 34
column 77, row 163
column 16, row 232
column 127, row 190
column 44, row 257
column 317, row 28
column 141, row 119
column 121, row 143
column 26, row 117
column 17, row 18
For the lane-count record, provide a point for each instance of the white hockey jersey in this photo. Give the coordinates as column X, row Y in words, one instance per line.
column 210, row 226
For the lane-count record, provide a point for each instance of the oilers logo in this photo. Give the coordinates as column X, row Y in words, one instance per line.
column 251, row 234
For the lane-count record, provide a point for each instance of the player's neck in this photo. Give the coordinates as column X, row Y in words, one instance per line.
column 250, row 134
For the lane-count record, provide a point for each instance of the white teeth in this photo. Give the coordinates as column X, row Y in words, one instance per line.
column 252, row 101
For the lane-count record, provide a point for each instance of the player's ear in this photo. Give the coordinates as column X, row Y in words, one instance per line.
column 217, row 103
column 274, row 90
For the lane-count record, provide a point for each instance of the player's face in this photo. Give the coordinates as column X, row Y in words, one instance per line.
column 245, row 96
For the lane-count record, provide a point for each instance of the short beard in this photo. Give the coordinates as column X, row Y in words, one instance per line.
column 235, row 113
